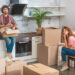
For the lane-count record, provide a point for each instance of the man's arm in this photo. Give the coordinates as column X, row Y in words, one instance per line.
column 13, row 22
column 1, row 26
column 14, row 26
column 8, row 25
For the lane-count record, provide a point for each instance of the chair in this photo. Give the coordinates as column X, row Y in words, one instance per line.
column 71, row 58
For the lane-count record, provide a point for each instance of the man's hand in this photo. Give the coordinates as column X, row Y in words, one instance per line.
column 8, row 25
column 1, row 26
column 13, row 27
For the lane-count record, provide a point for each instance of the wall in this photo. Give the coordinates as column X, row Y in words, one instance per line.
column 28, row 25
column 69, row 19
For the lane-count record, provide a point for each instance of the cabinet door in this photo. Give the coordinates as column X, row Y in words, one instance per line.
column 35, row 40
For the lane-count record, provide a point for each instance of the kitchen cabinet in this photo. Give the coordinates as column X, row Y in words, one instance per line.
column 36, row 40
column 33, row 57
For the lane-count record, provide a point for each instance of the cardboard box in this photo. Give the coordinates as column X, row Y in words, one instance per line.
column 39, row 69
column 16, row 68
column 9, row 35
column 11, row 31
column 51, row 36
column 47, row 54
column 2, row 66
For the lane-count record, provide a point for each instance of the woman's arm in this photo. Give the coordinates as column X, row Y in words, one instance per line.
column 65, row 40
column 66, row 43
column 61, row 44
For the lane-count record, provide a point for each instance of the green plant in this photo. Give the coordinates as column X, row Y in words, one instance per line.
column 39, row 15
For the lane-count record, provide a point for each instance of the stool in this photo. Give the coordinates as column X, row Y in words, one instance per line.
column 71, row 58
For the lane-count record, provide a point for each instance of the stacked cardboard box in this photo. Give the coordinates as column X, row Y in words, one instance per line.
column 15, row 68
column 47, row 51
column 39, row 69
column 51, row 36
column 2, row 66
column 47, row 54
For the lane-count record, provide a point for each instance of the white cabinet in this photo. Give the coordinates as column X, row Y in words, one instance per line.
column 35, row 40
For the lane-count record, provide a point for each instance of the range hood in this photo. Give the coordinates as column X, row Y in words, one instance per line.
column 18, row 6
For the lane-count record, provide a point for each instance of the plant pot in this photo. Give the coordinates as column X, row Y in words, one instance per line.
column 39, row 30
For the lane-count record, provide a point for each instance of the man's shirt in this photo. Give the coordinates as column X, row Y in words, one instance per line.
column 5, row 20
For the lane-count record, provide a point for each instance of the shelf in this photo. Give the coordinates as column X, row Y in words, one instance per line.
column 53, row 15
column 46, row 7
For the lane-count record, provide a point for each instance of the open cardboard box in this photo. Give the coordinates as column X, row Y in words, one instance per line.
column 8, row 32
column 15, row 68
column 39, row 69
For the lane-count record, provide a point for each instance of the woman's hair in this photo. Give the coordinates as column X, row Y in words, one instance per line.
column 5, row 6
column 70, row 33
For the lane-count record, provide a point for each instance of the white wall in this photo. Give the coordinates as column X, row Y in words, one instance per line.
column 69, row 19
column 28, row 25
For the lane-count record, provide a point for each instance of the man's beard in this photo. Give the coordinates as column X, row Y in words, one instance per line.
column 5, row 13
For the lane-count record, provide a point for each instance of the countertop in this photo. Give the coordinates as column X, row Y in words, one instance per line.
column 22, row 35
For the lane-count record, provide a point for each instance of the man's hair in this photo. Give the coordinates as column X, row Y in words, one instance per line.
column 5, row 6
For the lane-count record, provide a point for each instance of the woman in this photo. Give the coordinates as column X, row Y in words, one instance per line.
column 69, row 46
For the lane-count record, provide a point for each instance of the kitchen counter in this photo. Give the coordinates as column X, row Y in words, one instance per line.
column 23, row 35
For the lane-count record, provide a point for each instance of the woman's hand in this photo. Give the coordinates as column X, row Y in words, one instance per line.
column 61, row 44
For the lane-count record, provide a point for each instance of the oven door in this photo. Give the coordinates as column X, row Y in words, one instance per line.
column 29, row 52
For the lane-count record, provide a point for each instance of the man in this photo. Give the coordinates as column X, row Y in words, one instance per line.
column 7, row 20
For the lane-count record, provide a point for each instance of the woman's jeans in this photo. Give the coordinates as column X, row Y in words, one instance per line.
column 65, row 52
column 10, row 42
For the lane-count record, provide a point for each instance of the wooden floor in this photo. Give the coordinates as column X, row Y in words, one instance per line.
column 67, row 72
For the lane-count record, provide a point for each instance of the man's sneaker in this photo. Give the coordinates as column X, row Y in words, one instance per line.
column 13, row 59
column 64, row 68
column 7, row 59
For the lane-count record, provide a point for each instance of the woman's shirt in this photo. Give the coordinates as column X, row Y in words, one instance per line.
column 72, row 42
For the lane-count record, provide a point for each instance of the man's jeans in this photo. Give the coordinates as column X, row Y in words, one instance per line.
column 10, row 42
column 65, row 52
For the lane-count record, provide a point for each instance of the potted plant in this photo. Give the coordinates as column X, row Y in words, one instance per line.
column 39, row 15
